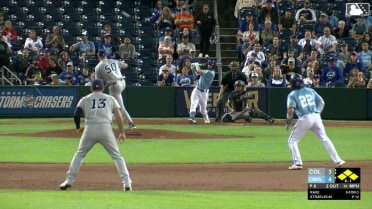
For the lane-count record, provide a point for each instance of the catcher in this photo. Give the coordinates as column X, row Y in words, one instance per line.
column 239, row 107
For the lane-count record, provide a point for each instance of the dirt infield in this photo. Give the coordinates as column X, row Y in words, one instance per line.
column 225, row 177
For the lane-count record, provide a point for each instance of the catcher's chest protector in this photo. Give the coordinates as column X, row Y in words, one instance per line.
column 238, row 104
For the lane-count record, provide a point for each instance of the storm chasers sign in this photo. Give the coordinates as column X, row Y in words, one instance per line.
column 38, row 101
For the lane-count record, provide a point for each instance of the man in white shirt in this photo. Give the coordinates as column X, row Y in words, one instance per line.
column 255, row 53
column 327, row 42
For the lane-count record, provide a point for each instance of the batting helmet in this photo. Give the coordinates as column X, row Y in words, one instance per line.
column 239, row 85
column 296, row 81
column 211, row 62
column 234, row 65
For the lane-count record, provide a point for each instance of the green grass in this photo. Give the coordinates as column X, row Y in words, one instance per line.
column 170, row 200
column 263, row 144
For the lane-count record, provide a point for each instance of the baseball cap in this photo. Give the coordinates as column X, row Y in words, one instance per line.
column 107, row 35
column 289, row 9
column 85, row 33
column 323, row 14
column 97, row 84
column 164, row 68
column 254, row 74
column 354, row 53
column 291, row 59
column 168, row 29
column 316, row 76
column 69, row 63
column 211, row 62
column 54, row 76
column 249, row 13
column 46, row 50
column 101, row 53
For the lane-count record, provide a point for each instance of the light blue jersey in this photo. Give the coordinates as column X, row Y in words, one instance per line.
column 305, row 101
column 206, row 79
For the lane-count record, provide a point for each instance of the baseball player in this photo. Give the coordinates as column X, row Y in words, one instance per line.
column 98, row 109
column 239, row 106
column 308, row 105
column 227, row 86
column 199, row 95
column 109, row 71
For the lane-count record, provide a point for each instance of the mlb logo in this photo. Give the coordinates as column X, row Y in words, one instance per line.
column 357, row 9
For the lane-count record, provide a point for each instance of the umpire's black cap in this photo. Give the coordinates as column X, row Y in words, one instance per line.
column 97, row 84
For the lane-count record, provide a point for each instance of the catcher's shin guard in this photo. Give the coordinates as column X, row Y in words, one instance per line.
column 226, row 118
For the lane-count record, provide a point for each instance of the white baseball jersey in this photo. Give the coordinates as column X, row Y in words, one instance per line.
column 98, row 107
column 109, row 70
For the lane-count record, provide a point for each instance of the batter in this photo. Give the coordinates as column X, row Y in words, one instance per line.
column 307, row 104
column 98, row 109
column 199, row 95
column 109, row 71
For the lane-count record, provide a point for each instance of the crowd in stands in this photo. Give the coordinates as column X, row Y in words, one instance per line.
column 276, row 39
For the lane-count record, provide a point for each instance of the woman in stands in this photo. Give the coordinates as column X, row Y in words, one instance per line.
column 341, row 31
column 33, row 43
column 165, row 48
column 157, row 11
column 366, row 38
column 165, row 20
column 353, row 63
column 9, row 33
column 356, row 79
column 276, row 80
column 5, row 52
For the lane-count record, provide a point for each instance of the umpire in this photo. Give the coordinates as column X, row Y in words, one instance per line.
column 227, row 86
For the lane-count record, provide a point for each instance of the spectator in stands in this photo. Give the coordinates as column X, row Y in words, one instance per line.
column 366, row 38
column 63, row 59
column 84, row 48
column 68, row 79
column 69, row 72
column 332, row 75
column 310, row 68
column 287, row 21
column 167, row 32
column 253, row 35
column 248, row 69
column 309, row 79
column 367, row 20
column 276, row 80
column 55, row 42
column 34, row 75
column 290, row 56
column 55, row 80
column 33, row 43
column 354, row 62
column 261, row 78
column 157, row 11
column 255, row 81
column 312, row 58
column 185, row 46
column 356, row 79
column 316, row 81
column 295, row 47
column 165, row 20
column 9, row 33
column 307, row 44
column 318, row 28
column 44, row 60
column 290, row 69
column 185, row 61
column 114, row 39
column 166, row 79
column 20, row 64
column 184, row 19
column 168, row 63
column 256, row 53
column 343, row 56
column 332, row 18
column 52, row 69
column 185, row 79
column 2, row 23
column 305, row 15
column 177, row 8
column 359, row 29
column 267, row 34
column 326, row 43
column 206, row 23
column 243, row 27
column 241, row 4
column 84, row 77
column 247, row 46
column 276, row 48
column 126, row 49
column 109, row 47
column 268, row 71
column 365, row 57
column 341, row 31
column 268, row 13
column 185, row 32
column 191, row 4
column 92, row 77
column 165, row 48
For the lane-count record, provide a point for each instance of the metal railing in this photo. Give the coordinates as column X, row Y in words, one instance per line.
column 218, row 45
column 4, row 71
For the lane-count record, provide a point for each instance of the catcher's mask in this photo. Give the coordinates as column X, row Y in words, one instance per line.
column 234, row 65
column 239, row 85
column 296, row 81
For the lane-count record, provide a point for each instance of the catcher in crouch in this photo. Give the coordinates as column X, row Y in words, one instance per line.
column 239, row 107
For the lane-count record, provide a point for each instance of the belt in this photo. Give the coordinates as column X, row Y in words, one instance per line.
column 202, row 90
column 113, row 83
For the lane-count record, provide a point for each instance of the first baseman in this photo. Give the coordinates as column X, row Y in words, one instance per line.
column 307, row 104
column 109, row 71
column 98, row 109
column 199, row 95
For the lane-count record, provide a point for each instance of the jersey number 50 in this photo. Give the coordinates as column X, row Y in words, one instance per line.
column 110, row 68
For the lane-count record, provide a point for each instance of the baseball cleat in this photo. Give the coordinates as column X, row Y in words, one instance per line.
column 64, row 185
column 207, row 121
column 217, row 120
column 295, row 167
column 339, row 164
column 132, row 126
column 192, row 121
column 271, row 120
column 127, row 188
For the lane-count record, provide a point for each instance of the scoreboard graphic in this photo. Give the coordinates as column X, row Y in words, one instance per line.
column 333, row 183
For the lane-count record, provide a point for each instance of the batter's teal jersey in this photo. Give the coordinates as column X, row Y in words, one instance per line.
column 305, row 101
column 206, row 79
column 98, row 107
